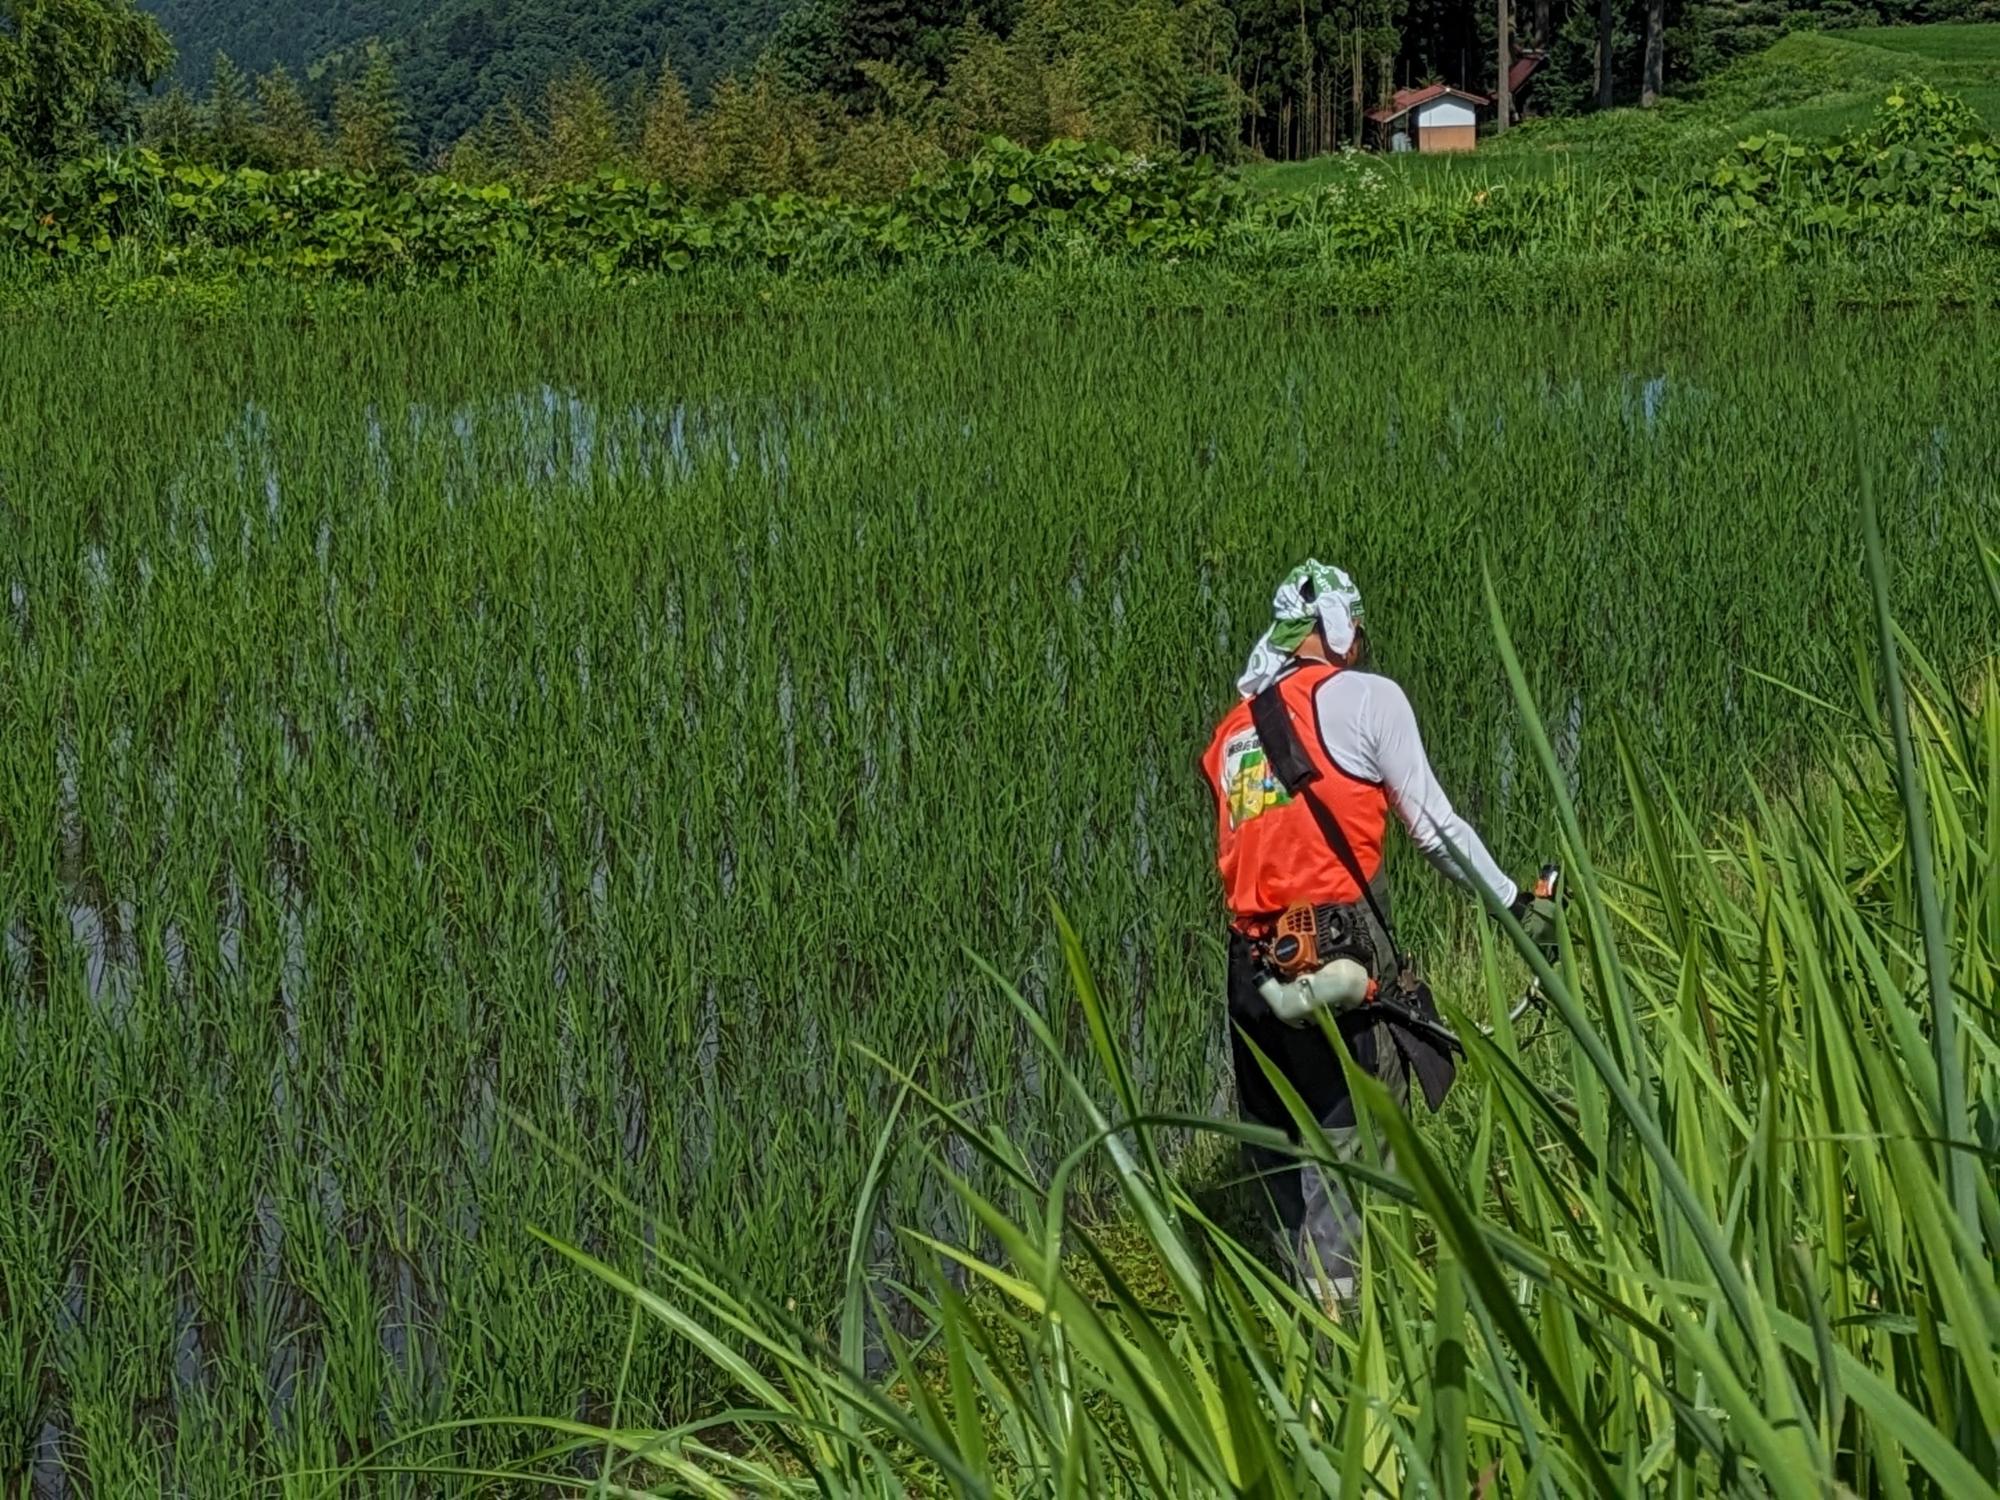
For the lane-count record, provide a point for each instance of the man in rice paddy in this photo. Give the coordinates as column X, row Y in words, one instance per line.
column 1305, row 769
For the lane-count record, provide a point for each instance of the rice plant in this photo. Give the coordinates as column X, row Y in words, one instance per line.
column 443, row 709
column 1744, row 1240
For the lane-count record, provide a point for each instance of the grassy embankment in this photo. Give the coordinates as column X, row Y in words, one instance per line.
column 1629, row 206
column 1808, row 85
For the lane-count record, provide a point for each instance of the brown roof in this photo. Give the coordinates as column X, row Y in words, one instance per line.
column 1406, row 100
column 1523, row 69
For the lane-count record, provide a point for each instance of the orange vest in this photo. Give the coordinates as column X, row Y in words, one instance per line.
column 1270, row 851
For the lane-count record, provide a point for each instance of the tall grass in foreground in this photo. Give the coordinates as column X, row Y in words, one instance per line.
column 1746, row 1241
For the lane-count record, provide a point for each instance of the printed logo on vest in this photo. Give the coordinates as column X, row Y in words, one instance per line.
column 1248, row 786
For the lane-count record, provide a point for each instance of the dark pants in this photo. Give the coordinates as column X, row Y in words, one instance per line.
column 1317, row 1219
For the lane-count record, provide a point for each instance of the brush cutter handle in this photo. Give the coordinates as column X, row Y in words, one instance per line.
column 1548, row 890
column 1529, row 999
column 1535, row 908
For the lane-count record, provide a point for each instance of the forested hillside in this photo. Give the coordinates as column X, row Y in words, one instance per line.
column 460, row 59
column 258, row 34
column 1279, row 78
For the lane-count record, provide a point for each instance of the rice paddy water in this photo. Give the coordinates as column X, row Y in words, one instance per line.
column 630, row 720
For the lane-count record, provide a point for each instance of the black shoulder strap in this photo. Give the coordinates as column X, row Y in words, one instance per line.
column 1296, row 773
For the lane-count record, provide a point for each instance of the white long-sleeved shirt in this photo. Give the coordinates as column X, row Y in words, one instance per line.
column 1369, row 729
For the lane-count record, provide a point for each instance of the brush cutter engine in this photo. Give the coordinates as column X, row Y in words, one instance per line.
column 1317, row 958
column 1309, row 937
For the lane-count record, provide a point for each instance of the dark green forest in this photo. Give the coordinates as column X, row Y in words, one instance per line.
column 1279, row 77
column 848, row 96
column 460, row 59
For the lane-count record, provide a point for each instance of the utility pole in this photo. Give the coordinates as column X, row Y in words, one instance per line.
column 1311, row 134
column 1502, row 96
column 1360, row 108
column 1604, row 94
column 1654, row 81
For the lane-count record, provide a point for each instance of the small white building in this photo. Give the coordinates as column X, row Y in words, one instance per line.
column 1436, row 118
